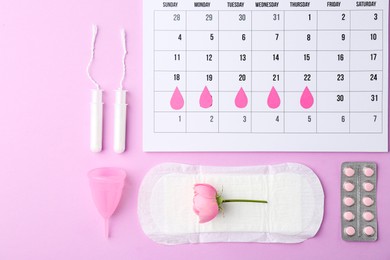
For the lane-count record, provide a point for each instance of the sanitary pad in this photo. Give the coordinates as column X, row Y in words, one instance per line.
column 293, row 214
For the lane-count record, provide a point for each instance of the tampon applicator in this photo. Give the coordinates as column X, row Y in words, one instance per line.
column 121, row 106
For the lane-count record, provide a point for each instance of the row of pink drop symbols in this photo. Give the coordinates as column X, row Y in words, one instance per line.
column 241, row 100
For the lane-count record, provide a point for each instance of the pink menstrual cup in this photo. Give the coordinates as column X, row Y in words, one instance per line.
column 106, row 186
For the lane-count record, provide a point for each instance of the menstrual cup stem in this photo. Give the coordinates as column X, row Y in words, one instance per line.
column 106, row 228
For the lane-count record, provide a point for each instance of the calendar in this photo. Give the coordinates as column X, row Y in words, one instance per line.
column 265, row 76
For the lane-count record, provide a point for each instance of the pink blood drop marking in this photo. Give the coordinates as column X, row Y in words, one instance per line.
column 307, row 99
column 241, row 99
column 206, row 99
column 273, row 100
column 177, row 101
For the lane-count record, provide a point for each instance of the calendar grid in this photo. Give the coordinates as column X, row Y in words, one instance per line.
column 250, row 69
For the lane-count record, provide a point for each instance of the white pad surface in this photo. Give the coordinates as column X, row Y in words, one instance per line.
column 293, row 214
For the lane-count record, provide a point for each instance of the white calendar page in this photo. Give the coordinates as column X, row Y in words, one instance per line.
column 265, row 76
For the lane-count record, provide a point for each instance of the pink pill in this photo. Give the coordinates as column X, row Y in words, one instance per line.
column 349, row 172
column 348, row 186
column 350, row 231
column 368, row 171
column 369, row 231
column 368, row 216
column 349, row 216
column 348, row 201
column 368, row 186
column 367, row 201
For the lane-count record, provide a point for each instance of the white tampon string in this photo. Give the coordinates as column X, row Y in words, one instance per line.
column 121, row 106
column 94, row 35
column 96, row 107
column 123, row 37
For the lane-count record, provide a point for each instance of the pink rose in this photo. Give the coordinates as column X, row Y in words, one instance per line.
column 207, row 202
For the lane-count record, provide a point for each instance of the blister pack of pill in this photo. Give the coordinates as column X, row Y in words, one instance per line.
column 358, row 201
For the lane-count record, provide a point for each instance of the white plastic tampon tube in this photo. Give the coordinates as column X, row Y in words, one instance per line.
column 120, row 121
column 96, row 120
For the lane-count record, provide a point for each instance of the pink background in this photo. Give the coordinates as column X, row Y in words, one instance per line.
column 45, row 201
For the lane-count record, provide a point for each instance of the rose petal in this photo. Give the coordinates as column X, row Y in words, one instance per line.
column 205, row 190
column 194, row 208
column 209, row 213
